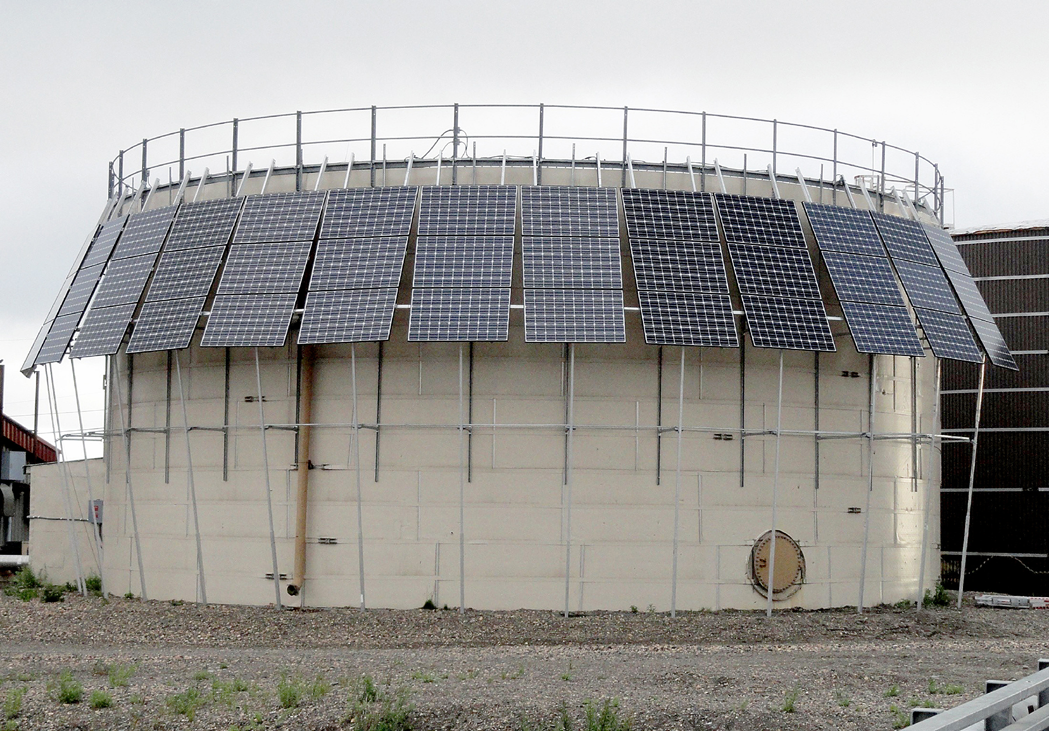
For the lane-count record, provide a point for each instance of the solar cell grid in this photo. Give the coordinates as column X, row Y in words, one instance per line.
column 57, row 339
column 470, row 210
column 124, row 281
column 774, row 272
column 994, row 344
column 278, row 217
column 166, row 325
column 144, row 233
column 104, row 242
column 80, row 290
column 185, row 273
column 905, row 239
column 459, row 315
column 945, row 249
column 844, row 229
column 574, row 316
column 577, row 263
column 209, row 223
column 792, row 324
column 863, row 278
column 565, row 211
column 972, row 301
column 103, row 331
column 674, row 215
column 370, row 212
column 884, row 329
column 348, row 316
column 358, row 263
column 678, row 265
column 463, row 261
column 270, row 267
column 249, row 320
column 926, row 286
column 688, row 318
column 752, row 220
column 948, row 335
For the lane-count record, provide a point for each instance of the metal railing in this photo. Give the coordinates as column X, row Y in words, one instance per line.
column 995, row 708
column 543, row 133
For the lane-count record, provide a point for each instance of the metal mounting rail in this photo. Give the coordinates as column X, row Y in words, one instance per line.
column 994, row 708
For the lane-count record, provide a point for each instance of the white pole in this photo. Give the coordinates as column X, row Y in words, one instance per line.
column 357, row 463
column 462, row 493
column 771, row 580
column 127, row 482
column 870, row 484
column 928, row 490
column 568, row 472
column 56, row 427
column 192, row 485
column 269, row 491
column 99, row 554
column 677, row 482
column 972, row 479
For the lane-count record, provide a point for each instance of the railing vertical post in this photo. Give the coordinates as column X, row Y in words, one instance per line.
column 236, row 130
column 1043, row 696
column 145, row 166
column 455, row 143
column 625, row 113
column 917, row 171
column 881, row 181
column 109, row 189
column 703, row 149
column 1001, row 719
column 298, row 151
column 373, row 149
column 834, row 172
column 182, row 153
column 775, row 129
column 539, row 168
column 120, row 173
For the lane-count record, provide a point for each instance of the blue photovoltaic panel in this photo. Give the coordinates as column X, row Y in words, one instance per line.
column 772, row 271
column 905, row 239
column 358, row 263
column 124, row 281
column 565, row 211
column 144, row 233
column 753, row 220
column 185, row 273
column 204, row 224
column 475, row 210
column 463, row 261
column 972, row 301
column 884, row 329
column 368, row 212
column 574, row 316
column 571, row 263
column 249, row 320
column 80, row 290
column 844, row 229
column 994, row 344
column 669, row 215
column 948, row 335
column 945, row 248
column 684, row 266
column 279, row 217
column 688, row 318
column 105, row 240
column 103, row 331
column 459, row 315
column 792, row 324
column 863, row 278
column 926, row 286
column 348, row 316
column 166, row 325
column 266, row 267
column 57, row 340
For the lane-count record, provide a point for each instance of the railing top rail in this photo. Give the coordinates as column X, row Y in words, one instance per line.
column 974, row 711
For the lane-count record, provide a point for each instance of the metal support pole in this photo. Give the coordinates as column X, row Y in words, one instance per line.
column 455, row 144
column 357, row 465
column 834, row 172
column 269, row 491
column 462, row 493
column 109, row 187
column 190, row 483
column 775, row 129
column 167, row 420
column 298, row 151
column 870, row 482
column 625, row 112
column 570, row 428
column 881, row 181
column 378, row 408
column 36, row 405
column 145, row 166
column 742, row 409
column 703, row 160
column 120, row 174
column 677, row 481
column 770, row 581
column 972, row 479
column 539, row 172
column 52, row 402
column 372, row 163
column 928, row 491
column 659, row 416
column 233, row 149
column 182, row 154
column 99, row 554
column 917, row 170
column 126, row 433
column 470, row 416
column 225, row 419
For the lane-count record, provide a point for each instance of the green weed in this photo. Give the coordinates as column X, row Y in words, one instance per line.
column 100, row 699
column 900, row 719
column 69, row 690
column 13, row 703
column 380, row 711
column 605, row 718
column 790, row 698
column 938, row 599
column 119, row 675
column 93, row 583
column 893, row 691
column 842, row 699
column 186, row 703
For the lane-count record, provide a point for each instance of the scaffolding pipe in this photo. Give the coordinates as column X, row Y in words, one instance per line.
column 52, row 403
column 677, row 482
column 269, row 491
column 927, row 498
column 357, row 465
column 127, row 476
column 972, row 479
column 191, row 484
column 462, row 493
column 303, row 472
column 870, row 484
column 99, row 552
column 770, row 581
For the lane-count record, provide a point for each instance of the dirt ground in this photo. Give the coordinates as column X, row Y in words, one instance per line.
column 168, row 666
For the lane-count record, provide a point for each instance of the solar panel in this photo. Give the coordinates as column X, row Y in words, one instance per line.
column 948, row 335
column 459, row 315
column 793, row 324
column 563, row 211
column 972, row 301
column 105, row 240
column 80, row 290
column 926, row 286
column 467, row 210
column 279, row 217
column 774, row 272
column 144, row 233
column 368, row 212
column 57, row 339
column 249, row 320
column 185, row 273
column 357, row 263
column 752, row 220
column 945, row 249
column 863, row 278
column 672, row 215
column 576, row 262
column 268, row 267
column 574, row 316
column 124, row 281
column 165, row 325
column 994, row 344
column 463, row 261
column 905, row 239
column 885, row 329
column 678, row 265
column 844, row 229
column 103, row 331
column 688, row 318
column 204, row 224
column 348, row 316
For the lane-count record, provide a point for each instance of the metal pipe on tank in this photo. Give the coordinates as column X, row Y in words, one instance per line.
column 303, row 469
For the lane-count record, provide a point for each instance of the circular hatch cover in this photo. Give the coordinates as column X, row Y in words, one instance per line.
column 790, row 565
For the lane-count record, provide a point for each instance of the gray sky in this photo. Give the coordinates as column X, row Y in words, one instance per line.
column 962, row 82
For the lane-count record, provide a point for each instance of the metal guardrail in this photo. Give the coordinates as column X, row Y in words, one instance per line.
column 995, row 709
column 543, row 132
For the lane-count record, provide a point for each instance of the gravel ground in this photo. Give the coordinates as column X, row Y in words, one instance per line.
column 500, row 670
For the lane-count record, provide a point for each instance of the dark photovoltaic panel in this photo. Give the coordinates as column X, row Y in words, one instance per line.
column 185, row 273
column 688, row 318
column 80, row 290
column 103, row 331
column 773, row 271
column 124, row 281
column 669, row 215
column 926, row 287
column 686, row 266
column 357, row 263
column 204, row 224
column 459, row 315
column 368, row 212
column 970, row 297
column 266, row 267
column 249, row 320
column 574, row 316
column 793, row 324
column 946, row 250
column 104, row 242
column 948, row 335
column 576, row 262
column 144, row 233
column 166, row 325
column 878, row 328
column 905, row 239
column 863, row 278
column 348, row 316
column 57, row 339
column 994, row 344
column 279, row 217
column 475, row 210
column 564, row 211
column 844, row 229
column 463, row 261
column 753, row 220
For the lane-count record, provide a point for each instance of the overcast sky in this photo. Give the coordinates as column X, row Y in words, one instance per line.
column 962, row 82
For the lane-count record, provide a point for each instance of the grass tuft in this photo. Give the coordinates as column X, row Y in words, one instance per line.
column 13, row 703
column 186, row 703
column 100, row 699
column 119, row 675
column 790, row 698
column 69, row 690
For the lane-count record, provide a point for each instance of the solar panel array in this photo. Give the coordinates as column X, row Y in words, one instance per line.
column 862, row 276
column 185, row 275
column 681, row 279
column 971, row 300
column 775, row 276
column 357, row 268
column 463, row 264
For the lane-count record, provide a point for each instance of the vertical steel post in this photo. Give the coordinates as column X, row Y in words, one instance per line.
column 298, row 151
column 703, row 148
column 145, row 165
column 455, row 144
column 539, row 172
column 742, row 409
column 125, row 431
column 659, row 416
column 109, row 185
column 677, row 481
column 372, row 164
column 182, row 154
column 917, row 171
column 36, row 405
column 225, row 420
column 462, row 493
column 120, row 174
column 67, row 492
column 570, row 428
column 881, row 181
column 236, row 145
column 167, row 421
column 191, row 484
column 625, row 113
column 870, row 482
column 927, row 498
column 770, row 582
column 99, row 554
column 378, row 408
column 357, row 466
column 269, row 490
column 972, row 479
column 816, row 450
column 775, row 130
column 834, row 172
